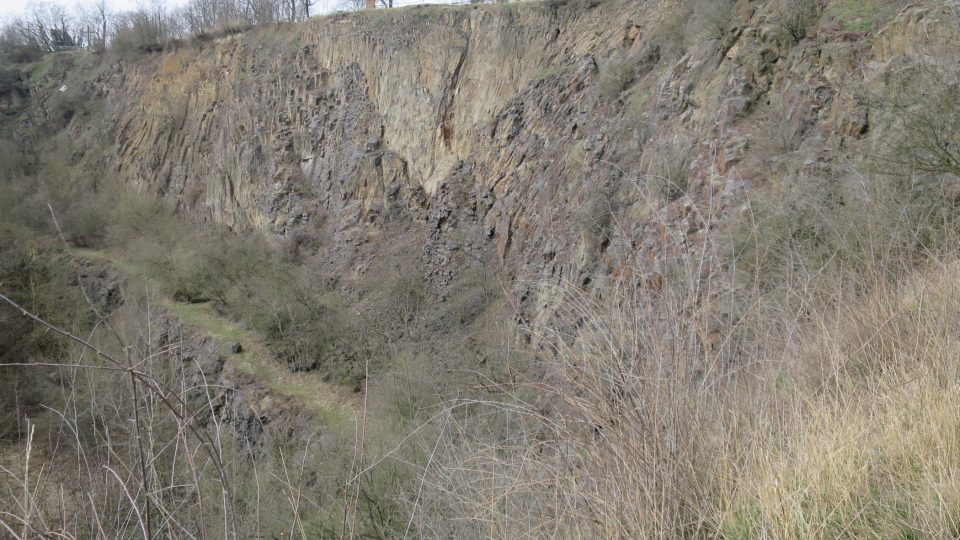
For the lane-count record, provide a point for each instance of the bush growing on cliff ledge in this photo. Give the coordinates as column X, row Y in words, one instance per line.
column 617, row 74
column 924, row 116
column 797, row 17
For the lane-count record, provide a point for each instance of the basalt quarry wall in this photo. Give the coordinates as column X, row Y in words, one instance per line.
column 578, row 141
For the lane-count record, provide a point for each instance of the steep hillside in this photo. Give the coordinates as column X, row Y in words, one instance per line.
column 566, row 140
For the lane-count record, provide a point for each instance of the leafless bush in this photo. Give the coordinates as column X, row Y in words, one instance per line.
column 296, row 242
column 617, row 74
column 666, row 172
column 797, row 17
column 714, row 17
column 128, row 471
column 919, row 106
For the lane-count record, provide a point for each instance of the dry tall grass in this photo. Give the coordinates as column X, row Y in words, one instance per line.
column 842, row 425
column 871, row 448
column 818, row 402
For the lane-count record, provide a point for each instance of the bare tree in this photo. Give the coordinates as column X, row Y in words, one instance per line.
column 34, row 27
column 305, row 6
column 261, row 11
column 94, row 16
column 44, row 28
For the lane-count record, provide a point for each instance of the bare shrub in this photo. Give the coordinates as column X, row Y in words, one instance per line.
column 670, row 35
column 617, row 74
column 296, row 242
column 667, row 171
column 920, row 107
column 129, row 473
column 595, row 217
column 784, row 123
column 697, row 410
column 797, row 17
column 714, row 18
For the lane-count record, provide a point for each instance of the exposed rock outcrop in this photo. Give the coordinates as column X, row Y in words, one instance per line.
column 562, row 141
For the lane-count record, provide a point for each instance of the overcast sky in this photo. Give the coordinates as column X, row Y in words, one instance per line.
column 17, row 7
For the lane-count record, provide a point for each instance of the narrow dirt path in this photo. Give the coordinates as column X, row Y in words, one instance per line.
column 327, row 402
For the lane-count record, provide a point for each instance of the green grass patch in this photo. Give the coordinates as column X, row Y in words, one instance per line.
column 203, row 317
column 859, row 15
column 326, row 402
column 103, row 256
column 550, row 71
column 741, row 525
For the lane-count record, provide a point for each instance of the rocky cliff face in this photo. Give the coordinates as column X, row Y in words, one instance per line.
column 577, row 141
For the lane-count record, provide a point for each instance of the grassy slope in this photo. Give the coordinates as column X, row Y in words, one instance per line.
column 870, row 445
column 327, row 402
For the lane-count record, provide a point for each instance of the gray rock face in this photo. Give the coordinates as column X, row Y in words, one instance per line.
column 100, row 285
column 488, row 126
column 218, row 390
column 494, row 136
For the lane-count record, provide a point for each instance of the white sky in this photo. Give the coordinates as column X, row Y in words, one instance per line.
column 17, row 7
